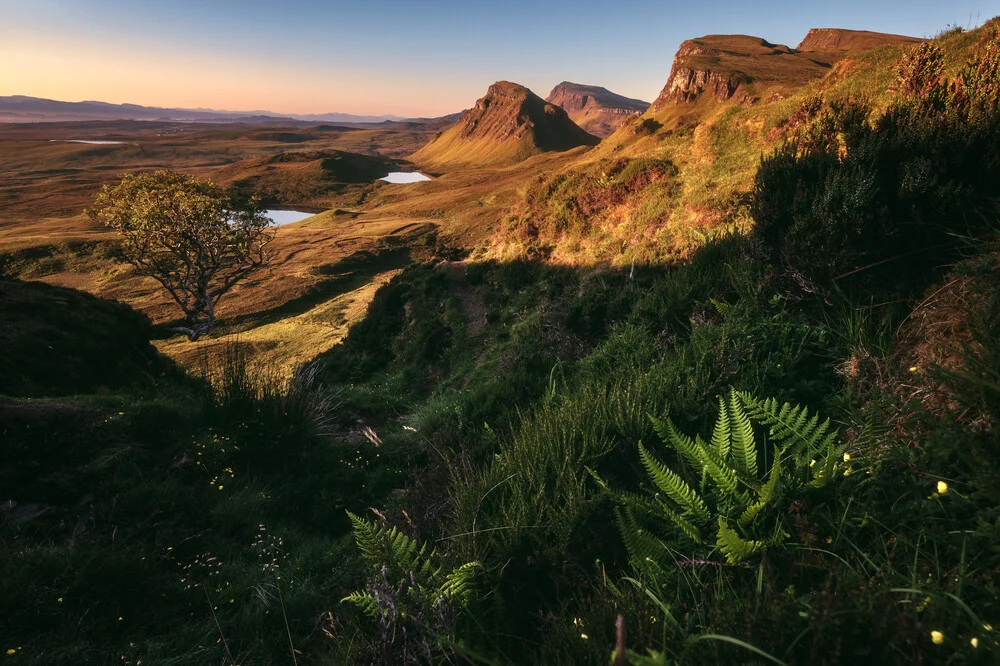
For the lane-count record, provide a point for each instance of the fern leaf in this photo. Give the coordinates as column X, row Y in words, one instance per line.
column 679, row 441
column 366, row 536
column 457, row 586
column 675, row 487
column 721, row 433
column 365, row 601
column 724, row 476
column 743, row 443
column 689, row 529
column 381, row 546
column 642, row 548
column 733, row 546
column 805, row 435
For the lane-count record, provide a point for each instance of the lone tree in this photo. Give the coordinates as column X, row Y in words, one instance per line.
column 192, row 236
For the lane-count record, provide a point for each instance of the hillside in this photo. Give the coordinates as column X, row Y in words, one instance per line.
column 595, row 109
column 305, row 178
column 507, row 125
column 727, row 100
column 59, row 341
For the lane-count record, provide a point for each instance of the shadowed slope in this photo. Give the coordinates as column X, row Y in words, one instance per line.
column 507, row 125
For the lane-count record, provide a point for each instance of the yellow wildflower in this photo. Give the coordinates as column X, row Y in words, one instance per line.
column 847, row 457
column 913, row 368
column 942, row 487
column 11, row 651
column 59, row 599
column 584, row 636
column 937, row 637
column 974, row 642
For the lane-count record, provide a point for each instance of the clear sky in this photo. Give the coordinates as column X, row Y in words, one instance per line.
column 408, row 58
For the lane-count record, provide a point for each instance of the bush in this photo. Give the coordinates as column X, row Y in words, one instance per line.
column 882, row 204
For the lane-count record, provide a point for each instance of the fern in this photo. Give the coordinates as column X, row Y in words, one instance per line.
column 675, row 487
column 732, row 493
column 381, row 546
column 744, row 446
column 457, row 585
column 791, row 425
column 722, row 433
column 733, row 546
column 394, row 557
column 366, row 601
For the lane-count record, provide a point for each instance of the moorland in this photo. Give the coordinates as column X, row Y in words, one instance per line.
column 721, row 385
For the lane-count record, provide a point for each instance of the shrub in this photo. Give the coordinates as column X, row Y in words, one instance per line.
column 882, row 204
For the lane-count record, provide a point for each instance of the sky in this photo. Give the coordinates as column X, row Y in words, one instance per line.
column 406, row 58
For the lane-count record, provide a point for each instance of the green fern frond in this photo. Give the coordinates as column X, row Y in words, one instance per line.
column 824, row 472
column 791, row 425
column 743, row 443
column 642, row 548
column 675, row 487
column 366, row 535
column 733, row 546
column 690, row 530
column 721, row 434
column 679, row 441
column 365, row 601
column 724, row 476
column 457, row 585
column 383, row 546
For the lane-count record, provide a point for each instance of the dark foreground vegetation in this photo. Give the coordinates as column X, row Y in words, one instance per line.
column 783, row 450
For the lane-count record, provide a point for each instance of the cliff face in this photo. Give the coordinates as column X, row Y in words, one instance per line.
column 734, row 67
column 745, row 69
column 508, row 124
column 597, row 110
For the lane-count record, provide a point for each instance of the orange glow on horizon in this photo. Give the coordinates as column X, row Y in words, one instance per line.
column 114, row 74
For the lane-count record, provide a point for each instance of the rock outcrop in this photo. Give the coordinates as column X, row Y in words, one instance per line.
column 509, row 124
column 745, row 69
column 597, row 110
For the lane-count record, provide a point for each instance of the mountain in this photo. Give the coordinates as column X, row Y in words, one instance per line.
column 746, row 69
column 597, row 110
column 19, row 108
column 509, row 124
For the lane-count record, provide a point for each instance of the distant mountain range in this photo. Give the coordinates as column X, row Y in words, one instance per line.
column 19, row 108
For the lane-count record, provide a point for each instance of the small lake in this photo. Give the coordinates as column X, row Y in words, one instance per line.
column 283, row 217
column 400, row 177
column 93, row 142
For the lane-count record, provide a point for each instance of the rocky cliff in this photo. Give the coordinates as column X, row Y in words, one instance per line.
column 745, row 69
column 597, row 110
